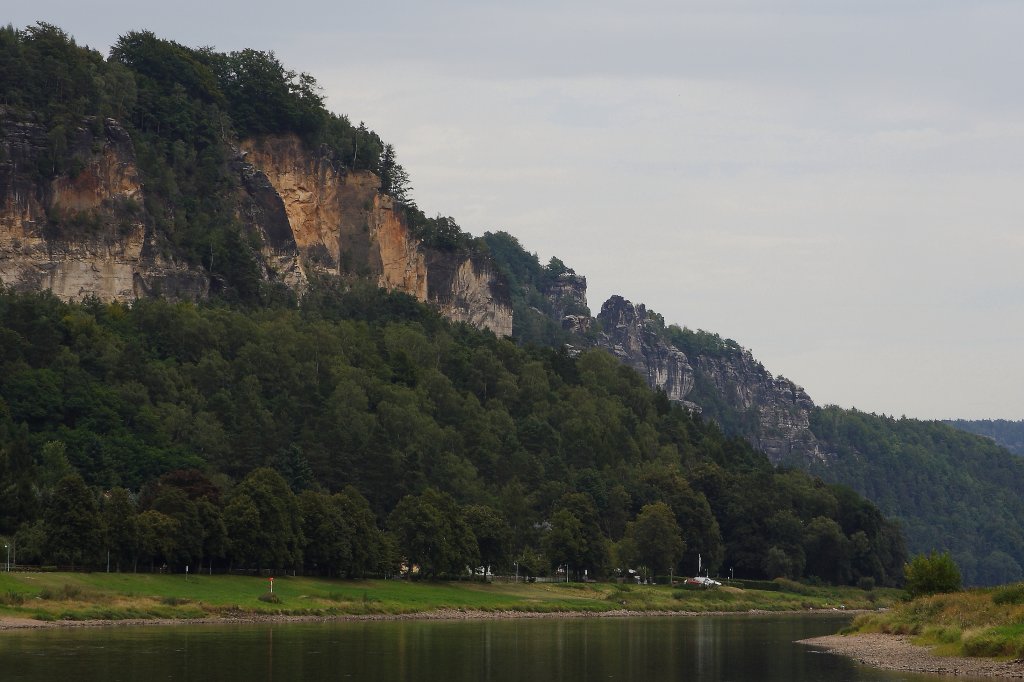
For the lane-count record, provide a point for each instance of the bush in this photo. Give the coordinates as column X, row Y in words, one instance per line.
column 787, row 585
column 270, row 598
column 932, row 574
column 1011, row 594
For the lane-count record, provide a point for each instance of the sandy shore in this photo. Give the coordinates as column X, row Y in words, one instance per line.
column 9, row 623
column 895, row 652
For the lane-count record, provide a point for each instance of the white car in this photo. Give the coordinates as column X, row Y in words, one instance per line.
column 704, row 581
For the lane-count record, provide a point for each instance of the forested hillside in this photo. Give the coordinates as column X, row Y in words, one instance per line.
column 1007, row 433
column 285, row 436
column 949, row 489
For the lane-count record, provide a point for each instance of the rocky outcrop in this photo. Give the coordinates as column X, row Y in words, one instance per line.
column 82, row 233
column 86, row 232
column 780, row 410
column 467, row 289
column 333, row 221
column 629, row 335
column 773, row 413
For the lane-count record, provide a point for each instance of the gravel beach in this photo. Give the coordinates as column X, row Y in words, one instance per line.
column 896, row 652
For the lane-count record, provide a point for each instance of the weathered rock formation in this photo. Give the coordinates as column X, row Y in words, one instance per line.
column 774, row 412
column 334, row 221
column 630, row 336
column 87, row 233
column 780, row 410
column 82, row 234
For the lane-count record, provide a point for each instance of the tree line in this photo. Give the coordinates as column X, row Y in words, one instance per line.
column 359, row 428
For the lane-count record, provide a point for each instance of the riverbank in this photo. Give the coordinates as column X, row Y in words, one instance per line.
column 10, row 623
column 31, row 600
column 898, row 652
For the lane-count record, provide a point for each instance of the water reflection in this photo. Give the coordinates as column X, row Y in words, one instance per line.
column 645, row 649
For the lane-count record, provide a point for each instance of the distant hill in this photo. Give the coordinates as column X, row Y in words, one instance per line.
column 169, row 172
column 949, row 489
column 216, row 349
column 1009, row 434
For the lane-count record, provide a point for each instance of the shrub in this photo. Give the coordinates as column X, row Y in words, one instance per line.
column 1011, row 594
column 787, row 585
column 932, row 574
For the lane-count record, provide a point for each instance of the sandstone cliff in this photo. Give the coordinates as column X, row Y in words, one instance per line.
column 726, row 383
column 779, row 411
column 84, row 233
column 628, row 334
column 318, row 218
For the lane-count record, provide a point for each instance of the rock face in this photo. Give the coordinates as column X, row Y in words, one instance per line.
column 82, row 235
column 319, row 219
column 775, row 412
column 780, row 410
column 88, row 234
column 629, row 335
column 467, row 289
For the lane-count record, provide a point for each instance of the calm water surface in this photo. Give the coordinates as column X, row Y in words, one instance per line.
column 709, row 649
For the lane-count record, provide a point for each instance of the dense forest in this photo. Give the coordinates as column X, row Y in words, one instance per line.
column 1007, row 433
column 361, row 429
column 353, row 432
column 950, row 490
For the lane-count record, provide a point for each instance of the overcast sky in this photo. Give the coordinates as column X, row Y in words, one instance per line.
column 838, row 186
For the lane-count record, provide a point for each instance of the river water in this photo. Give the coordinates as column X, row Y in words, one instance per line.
column 708, row 649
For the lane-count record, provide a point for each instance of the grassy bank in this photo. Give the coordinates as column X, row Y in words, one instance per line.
column 979, row 622
column 112, row 596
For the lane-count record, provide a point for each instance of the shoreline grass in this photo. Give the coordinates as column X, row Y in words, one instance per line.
column 144, row 596
column 982, row 622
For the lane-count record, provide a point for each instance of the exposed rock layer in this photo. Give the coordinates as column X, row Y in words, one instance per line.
column 88, row 234
column 627, row 334
column 82, row 235
column 776, row 411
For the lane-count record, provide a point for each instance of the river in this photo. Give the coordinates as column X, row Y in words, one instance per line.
column 708, row 649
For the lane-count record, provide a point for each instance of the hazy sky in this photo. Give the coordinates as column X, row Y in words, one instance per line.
column 838, row 186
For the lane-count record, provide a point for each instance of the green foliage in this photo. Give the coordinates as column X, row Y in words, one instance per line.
column 264, row 522
column 433, row 534
column 656, row 538
column 1011, row 594
column 72, row 523
column 529, row 283
column 948, row 489
column 360, row 400
column 440, row 232
column 1009, row 434
column 932, row 573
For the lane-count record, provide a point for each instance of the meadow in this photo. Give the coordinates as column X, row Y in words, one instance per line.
column 123, row 596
